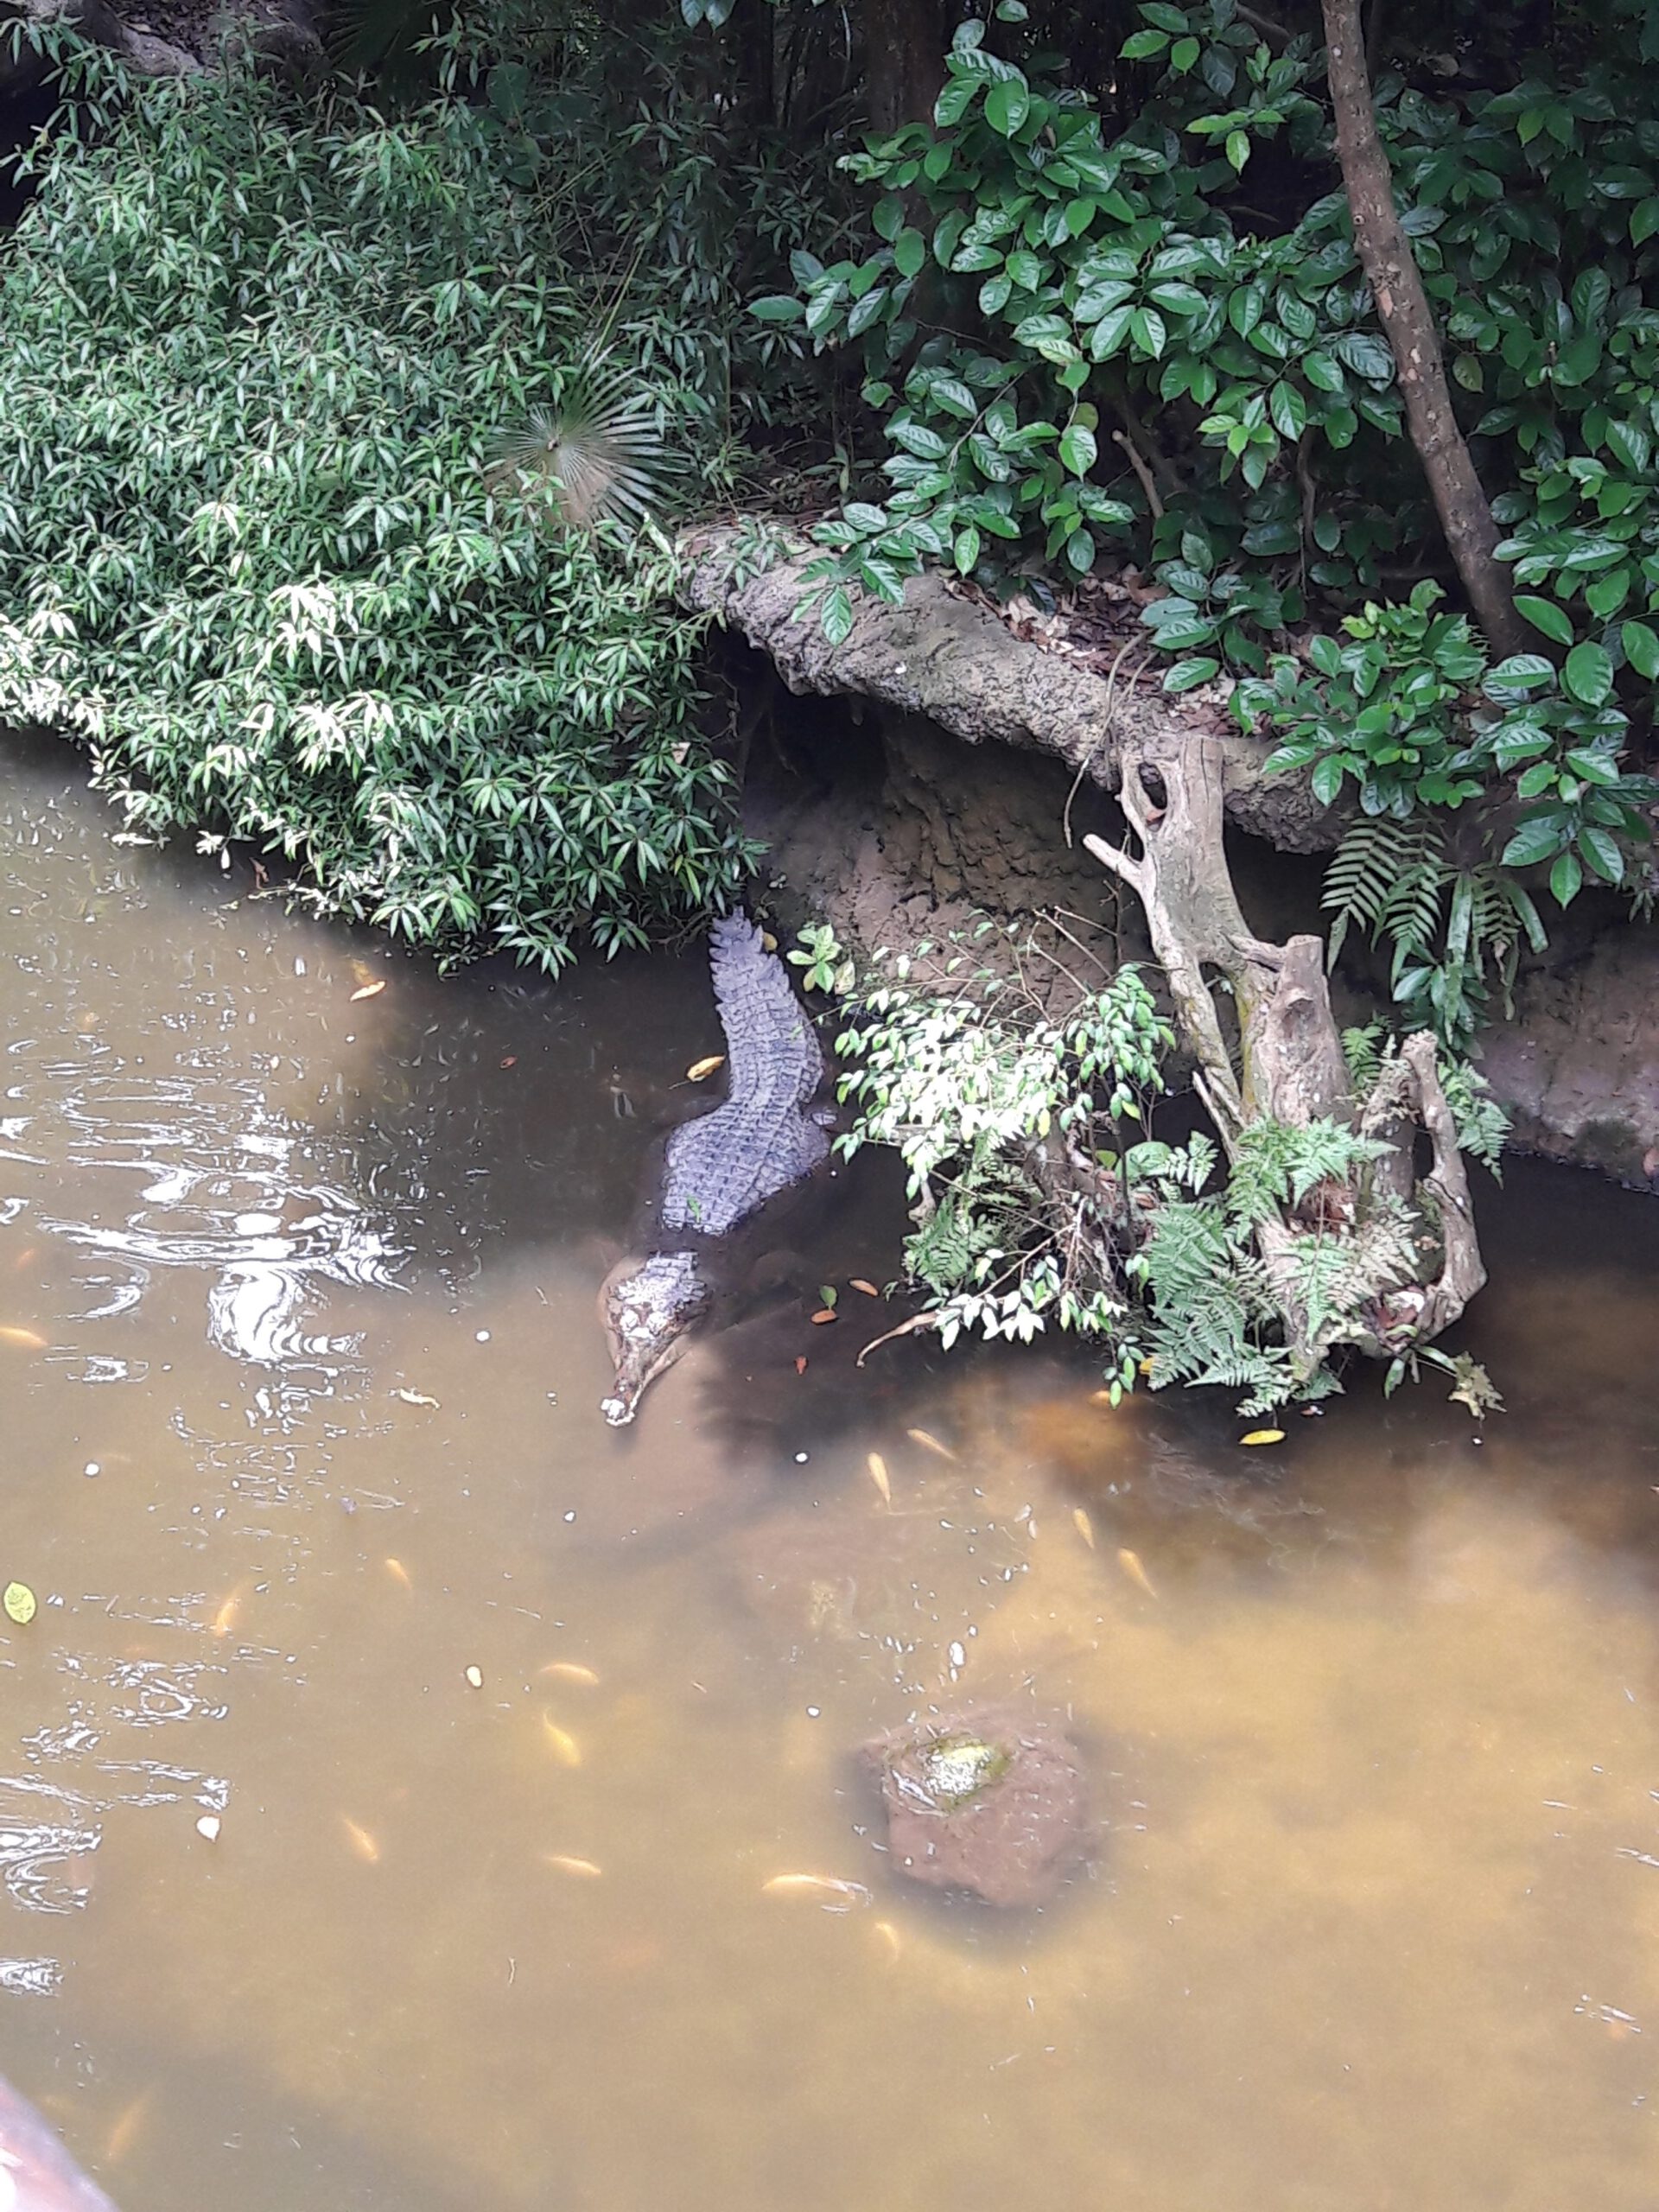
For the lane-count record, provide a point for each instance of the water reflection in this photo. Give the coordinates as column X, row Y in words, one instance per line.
column 510, row 1723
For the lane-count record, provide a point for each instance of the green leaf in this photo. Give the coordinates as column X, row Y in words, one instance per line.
column 1006, row 105
column 955, row 100
column 1533, row 840
column 837, row 616
column 1239, row 149
column 19, row 1602
column 1182, row 55
column 1644, row 222
column 1186, row 674
column 1641, row 644
column 1288, row 409
column 1545, row 615
column 1140, row 46
column 1079, row 450
column 1080, row 551
column 1588, row 675
column 1566, row 879
column 1367, row 355
column 966, row 550
column 909, row 252
column 1327, row 779
column 1601, row 853
column 778, row 307
column 1521, row 671
column 993, row 294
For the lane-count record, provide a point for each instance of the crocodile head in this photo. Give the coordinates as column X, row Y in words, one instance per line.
column 647, row 1307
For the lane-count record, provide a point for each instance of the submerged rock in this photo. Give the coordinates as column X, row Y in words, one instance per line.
column 987, row 1799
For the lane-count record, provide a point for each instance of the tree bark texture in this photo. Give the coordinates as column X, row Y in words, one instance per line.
column 1402, row 306
column 904, row 64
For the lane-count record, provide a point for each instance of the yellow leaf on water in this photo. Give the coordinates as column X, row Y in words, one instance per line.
column 869, row 1288
column 400, row 1572
column 824, row 1313
column 475, row 1677
column 416, row 1398
column 1264, row 1436
column 878, row 1467
column 569, row 1670
column 19, row 1602
column 583, row 1869
column 361, row 1842
column 562, row 1744
column 929, row 1442
column 369, row 990
column 700, row 1070
column 25, row 1340
column 1085, row 1527
column 225, row 1619
column 1130, row 1563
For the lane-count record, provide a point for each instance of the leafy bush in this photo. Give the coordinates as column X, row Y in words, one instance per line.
column 255, row 361
column 1039, row 1200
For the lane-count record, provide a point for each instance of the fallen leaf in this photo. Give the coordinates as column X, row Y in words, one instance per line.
column 583, row 1869
column 361, row 1842
column 416, row 1398
column 821, row 1885
column 857, row 1283
column 563, row 1743
column 768, row 943
column 824, row 1313
column 1085, row 1527
column 829, row 1295
column 1144, row 1368
column 25, row 1340
column 207, row 1828
column 700, row 1070
column 929, row 1442
column 1264, row 1436
column 1130, row 1563
column 800, row 1364
column 572, row 1670
column 475, row 1677
column 19, row 1602
column 369, row 990
column 878, row 1467
column 400, row 1572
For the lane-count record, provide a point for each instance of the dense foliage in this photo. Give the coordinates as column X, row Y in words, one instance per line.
column 272, row 537
column 1041, row 1200
column 1091, row 337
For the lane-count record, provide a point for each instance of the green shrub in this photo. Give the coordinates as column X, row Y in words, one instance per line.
column 255, row 360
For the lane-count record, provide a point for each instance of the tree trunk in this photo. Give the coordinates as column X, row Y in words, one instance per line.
column 1289, row 1066
column 1402, row 305
column 903, row 61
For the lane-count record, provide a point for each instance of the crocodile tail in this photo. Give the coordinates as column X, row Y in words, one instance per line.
column 759, row 1013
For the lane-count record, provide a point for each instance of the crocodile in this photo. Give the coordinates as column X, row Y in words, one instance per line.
column 720, row 1171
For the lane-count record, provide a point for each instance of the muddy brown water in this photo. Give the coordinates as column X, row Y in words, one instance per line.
column 1372, row 1720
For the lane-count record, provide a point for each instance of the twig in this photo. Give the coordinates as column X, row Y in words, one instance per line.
column 916, row 1322
column 1088, row 759
column 1136, row 462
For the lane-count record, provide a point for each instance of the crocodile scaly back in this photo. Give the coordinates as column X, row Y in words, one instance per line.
column 721, row 1169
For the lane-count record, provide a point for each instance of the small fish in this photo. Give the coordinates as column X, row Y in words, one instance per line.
column 225, row 1619
column 1130, row 1563
column 878, row 1467
column 929, row 1442
column 25, row 1340
column 820, row 1885
column 1085, row 1528
column 416, row 1398
column 398, row 1572
column 800, row 1363
column 361, row 1842
column 562, row 1744
column 511, row 1061
column 124, row 2134
column 369, row 990
column 1264, row 1436
column 572, row 1670
column 888, row 1936
column 583, row 1869
column 857, row 1283
column 824, row 1313
column 700, row 1070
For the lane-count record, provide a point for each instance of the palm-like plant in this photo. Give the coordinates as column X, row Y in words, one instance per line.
column 597, row 454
